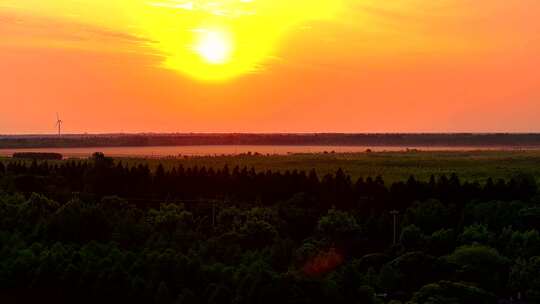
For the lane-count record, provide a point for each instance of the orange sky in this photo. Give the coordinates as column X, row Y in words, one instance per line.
column 270, row 66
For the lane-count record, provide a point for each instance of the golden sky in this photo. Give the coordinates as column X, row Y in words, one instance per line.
column 270, row 65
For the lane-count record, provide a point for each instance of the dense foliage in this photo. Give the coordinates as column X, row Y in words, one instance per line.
column 100, row 231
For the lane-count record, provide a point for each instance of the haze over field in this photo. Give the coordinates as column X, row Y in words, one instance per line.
column 270, row 66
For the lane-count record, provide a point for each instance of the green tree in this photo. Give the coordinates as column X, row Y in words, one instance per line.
column 476, row 234
column 429, row 216
column 338, row 225
column 445, row 292
column 442, row 242
column 414, row 270
column 494, row 214
column 258, row 233
column 481, row 265
column 525, row 278
column 412, row 237
column 171, row 217
column 389, row 278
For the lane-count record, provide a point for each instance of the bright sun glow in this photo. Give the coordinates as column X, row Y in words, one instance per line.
column 209, row 40
column 218, row 40
column 214, row 46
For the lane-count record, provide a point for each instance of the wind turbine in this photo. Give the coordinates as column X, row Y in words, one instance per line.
column 59, row 123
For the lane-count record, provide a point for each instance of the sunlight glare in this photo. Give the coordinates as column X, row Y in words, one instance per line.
column 214, row 46
column 208, row 40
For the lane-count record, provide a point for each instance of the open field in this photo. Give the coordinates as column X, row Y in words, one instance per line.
column 393, row 166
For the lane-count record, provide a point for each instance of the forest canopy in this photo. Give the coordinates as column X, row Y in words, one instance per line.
column 99, row 230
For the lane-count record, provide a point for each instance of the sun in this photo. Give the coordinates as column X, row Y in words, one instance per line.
column 206, row 40
column 214, row 46
column 219, row 40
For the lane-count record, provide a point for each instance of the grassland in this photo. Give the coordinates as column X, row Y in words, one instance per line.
column 472, row 166
column 393, row 166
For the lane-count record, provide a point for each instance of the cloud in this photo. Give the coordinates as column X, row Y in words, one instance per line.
column 223, row 8
column 29, row 30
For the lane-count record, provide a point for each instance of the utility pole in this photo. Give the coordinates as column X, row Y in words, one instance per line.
column 395, row 214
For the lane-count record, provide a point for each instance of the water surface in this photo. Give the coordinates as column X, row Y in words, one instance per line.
column 179, row 151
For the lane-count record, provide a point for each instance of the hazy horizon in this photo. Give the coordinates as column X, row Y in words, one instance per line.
column 262, row 133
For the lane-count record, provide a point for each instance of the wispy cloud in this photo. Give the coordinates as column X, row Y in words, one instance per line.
column 28, row 30
column 231, row 9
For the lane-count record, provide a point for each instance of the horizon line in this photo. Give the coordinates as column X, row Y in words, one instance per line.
column 260, row 133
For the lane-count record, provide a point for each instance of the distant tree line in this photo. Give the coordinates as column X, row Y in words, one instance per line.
column 323, row 139
column 38, row 156
column 104, row 177
column 102, row 231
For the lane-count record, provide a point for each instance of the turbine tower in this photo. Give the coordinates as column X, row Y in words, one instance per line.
column 59, row 123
